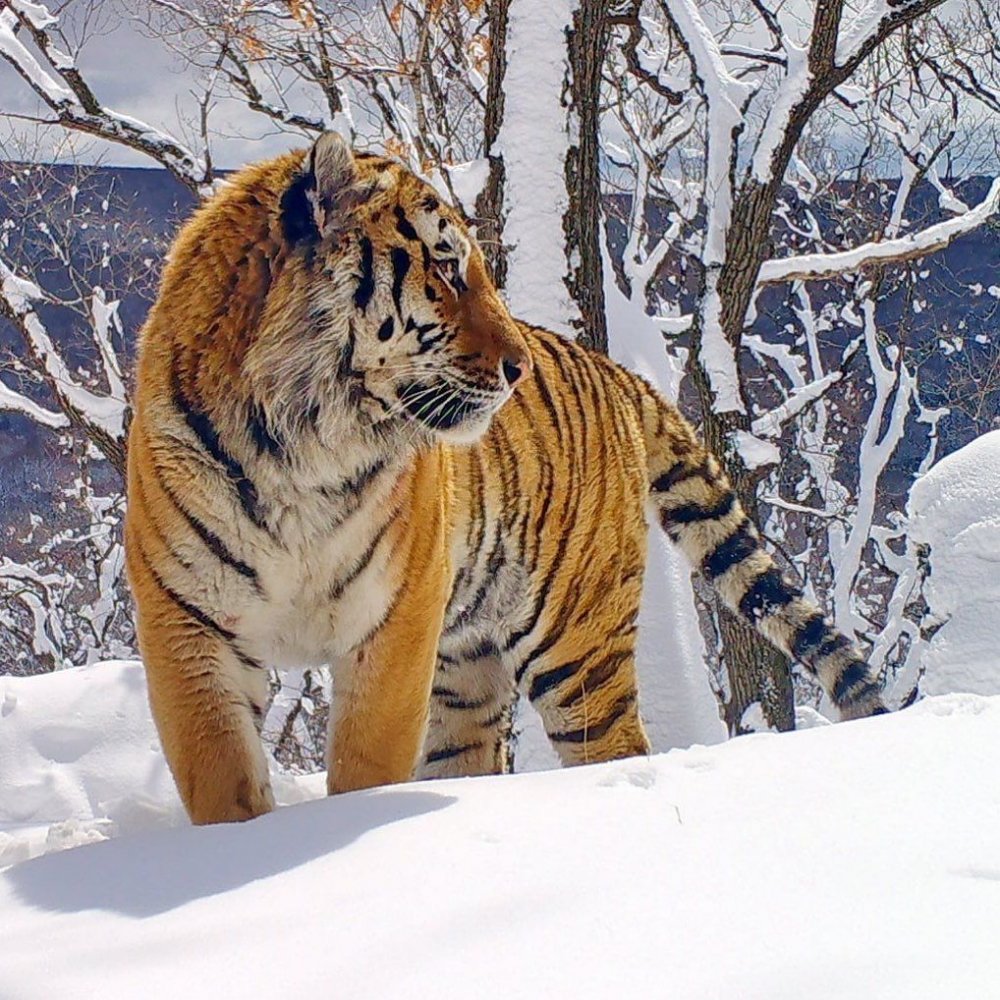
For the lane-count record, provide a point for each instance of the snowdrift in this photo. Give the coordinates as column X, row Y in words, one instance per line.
column 851, row 861
column 954, row 510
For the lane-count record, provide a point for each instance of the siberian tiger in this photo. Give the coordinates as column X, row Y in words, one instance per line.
column 346, row 452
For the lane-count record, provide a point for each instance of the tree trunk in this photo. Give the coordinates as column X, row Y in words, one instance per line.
column 489, row 205
column 587, row 43
column 757, row 671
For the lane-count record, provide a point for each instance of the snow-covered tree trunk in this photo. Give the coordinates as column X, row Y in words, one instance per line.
column 490, row 203
column 548, row 152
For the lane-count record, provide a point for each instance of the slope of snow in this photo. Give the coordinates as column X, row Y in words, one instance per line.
column 80, row 762
column 955, row 511
column 849, row 861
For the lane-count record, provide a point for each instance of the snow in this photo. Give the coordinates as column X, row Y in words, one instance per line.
column 791, row 91
column 11, row 399
column 105, row 412
column 725, row 98
column 13, row 50
column 865, row 19
column 468, row 181
column 856, row 860
column 81, row 761
column 817, row 266
column 755, row 452
column 533, row 142
column 954, row 510
column 36, row 13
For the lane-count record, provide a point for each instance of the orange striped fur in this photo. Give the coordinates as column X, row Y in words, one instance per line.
column 346, row 452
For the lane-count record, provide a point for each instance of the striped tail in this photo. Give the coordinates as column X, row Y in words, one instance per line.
column 700, row 512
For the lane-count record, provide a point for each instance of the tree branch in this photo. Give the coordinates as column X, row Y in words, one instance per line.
column 816, row 267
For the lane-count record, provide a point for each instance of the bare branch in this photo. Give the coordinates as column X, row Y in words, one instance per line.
column 817, row 267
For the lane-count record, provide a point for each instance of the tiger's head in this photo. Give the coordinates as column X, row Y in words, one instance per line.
column 428, row 340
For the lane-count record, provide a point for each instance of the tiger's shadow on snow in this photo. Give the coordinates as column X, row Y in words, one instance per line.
column 148, row 874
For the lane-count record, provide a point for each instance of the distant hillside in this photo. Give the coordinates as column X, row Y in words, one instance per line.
column 958, row 299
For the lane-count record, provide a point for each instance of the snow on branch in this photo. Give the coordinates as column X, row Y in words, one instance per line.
column 75, row 106
column 13, row 401
column 769, row 424
column 725, row 101
column 819, row 266
column 102, row 417
column 875, row 21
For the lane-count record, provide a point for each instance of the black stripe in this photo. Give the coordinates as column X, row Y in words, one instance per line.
column 366, row 280
column 536, row 612
column 260, row 433
column 452, row 699
column 204, row 430
column 855, row 674
column 678, row 473
column 599, row 729
column 548, row 679
column 479, row 652
column 503, row 712
column 211, row 540
column 354, row 485
column 833, row 644
column 257, row 711
column 769, row 591
column 140, row 491
column 547, row 401
column 809, row 635
column 494, row 563
column 400, row 265
column 403, row 224
column 448, row 752
column 740, row 545
column 193, row 611
column 555, row 633
column 386, row 330
column 337, row 590
column 596, row 677
column 691, row 513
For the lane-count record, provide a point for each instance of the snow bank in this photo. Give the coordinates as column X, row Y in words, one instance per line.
column 80, row 761
column 850, row 861
column 955, row 511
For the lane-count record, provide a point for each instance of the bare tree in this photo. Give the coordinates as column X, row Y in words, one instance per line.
column 751, row 114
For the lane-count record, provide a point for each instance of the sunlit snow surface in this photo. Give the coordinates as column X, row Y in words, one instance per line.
column 955, row 512
column 854, row 861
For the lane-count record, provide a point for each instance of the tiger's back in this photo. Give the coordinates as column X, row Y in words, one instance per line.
column 556, row 502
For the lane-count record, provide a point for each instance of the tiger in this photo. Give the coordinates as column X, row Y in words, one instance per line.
column 346, row 452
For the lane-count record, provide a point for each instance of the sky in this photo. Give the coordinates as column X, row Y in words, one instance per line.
column 137, row 75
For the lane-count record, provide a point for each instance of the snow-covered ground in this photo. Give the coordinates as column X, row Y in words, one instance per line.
column 954, row 510
column 851, row 861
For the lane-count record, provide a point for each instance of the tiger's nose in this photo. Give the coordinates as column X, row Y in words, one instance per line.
column 512, row 371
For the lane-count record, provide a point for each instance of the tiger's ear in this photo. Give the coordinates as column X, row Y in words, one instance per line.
column 319, row 202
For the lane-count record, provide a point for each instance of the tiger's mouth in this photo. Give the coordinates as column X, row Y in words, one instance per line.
column 443, row 405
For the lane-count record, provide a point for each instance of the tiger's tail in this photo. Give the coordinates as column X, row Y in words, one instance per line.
column 697, row 507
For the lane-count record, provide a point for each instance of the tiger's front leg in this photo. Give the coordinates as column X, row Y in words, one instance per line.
column 380, row 699
column 382, row 689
